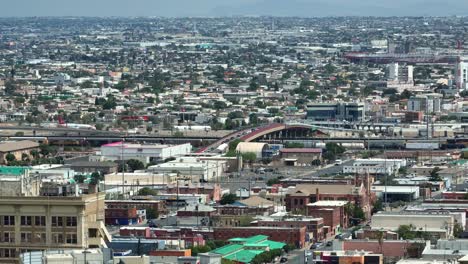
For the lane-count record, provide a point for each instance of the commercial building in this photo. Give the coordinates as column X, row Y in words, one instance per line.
column 400, row 74
column 191, row 168
column 396, row 193
column 70, row 256
column 314, row 226
column 244, row 249
column 346, row 257
column 40, row 223
column 374, row 166
column 300, row 156
column 438, row 224
column 17, row 181
column 145, row 153
column 351, row 112
column 392, row 250
column 298, row 198
column 426, row 103
column 333, row 213
column 461, row 73
column 288, row 235
column 18, row 149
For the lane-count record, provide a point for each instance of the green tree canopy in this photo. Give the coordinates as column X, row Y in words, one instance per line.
column 228, row 198
column 147, row 191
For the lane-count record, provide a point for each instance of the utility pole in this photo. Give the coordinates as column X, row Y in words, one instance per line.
column 123, row 167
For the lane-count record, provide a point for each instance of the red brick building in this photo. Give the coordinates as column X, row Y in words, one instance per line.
column 213, row 191
column 232, row 209
column 189, row 236
column 314, row 226
column 455, row 195
column 392, row 250
column 333, row 214
column 359, row 194
column 122, row 216
column 157, row 206
column 135, row 231
column 288, row 235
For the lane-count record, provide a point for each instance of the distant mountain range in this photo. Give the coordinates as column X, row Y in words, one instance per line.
column 303, row 8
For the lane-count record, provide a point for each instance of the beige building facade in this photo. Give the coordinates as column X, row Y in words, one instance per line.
column 41, row 222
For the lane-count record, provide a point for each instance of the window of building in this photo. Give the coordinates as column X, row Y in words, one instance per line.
column 26, row 220
column 39, row 221
column 8, row 253
column 57, row 238
column 72, row 239
column 26, row 237
column 39, row 237
column 71, row 221
column 8, row 237
column 8, row 220
column 57, row 221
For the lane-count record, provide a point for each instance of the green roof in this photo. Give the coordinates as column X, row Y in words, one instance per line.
column 273, row 244
column 238, row 252
column 256, row 239
column 13, row 170
column 245, row 256
column 255, row 245
column 228, row 249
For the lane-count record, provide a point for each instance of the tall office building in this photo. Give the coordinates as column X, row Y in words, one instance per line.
column 51, row 222
column 461, row 73
column 401, row 74
column 393, row 71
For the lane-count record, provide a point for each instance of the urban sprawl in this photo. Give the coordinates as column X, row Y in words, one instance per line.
column 234, row 140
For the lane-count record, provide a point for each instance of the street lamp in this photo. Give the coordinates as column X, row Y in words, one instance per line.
column 84, row 253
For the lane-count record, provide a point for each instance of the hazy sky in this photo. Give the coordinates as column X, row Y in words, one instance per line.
column 232, row 7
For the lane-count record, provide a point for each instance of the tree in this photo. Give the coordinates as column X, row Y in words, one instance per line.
column 457, row 230
column 47, row 150
column 147, row 191
column 151, row 213
column 245, row 220
column 96, row 177
column 79, row 178
column 406, row 232
column 276, row 180
column 253, row 86
column 34, row 153
column 294, row 145
column 316, row 162
column 228, row 198
column 434, row 176
column 332, row 150
column 134, row 164
column 199, row 249
column 249, row 157
column 377, row 206
column 10, row 157
column 253, row 119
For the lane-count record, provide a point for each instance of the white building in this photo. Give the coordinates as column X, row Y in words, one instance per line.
column 192, row 167
column 427, row 102
column 145, row 153
column 375, row 166
column 440, row 225
column 461, row 73
column 393, row 71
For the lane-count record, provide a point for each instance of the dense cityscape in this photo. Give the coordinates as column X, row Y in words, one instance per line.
column 234, row 140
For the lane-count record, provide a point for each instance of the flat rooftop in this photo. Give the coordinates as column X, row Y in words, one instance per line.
column 328, row 203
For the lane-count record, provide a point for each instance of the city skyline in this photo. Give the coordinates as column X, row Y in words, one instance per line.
column 210, row 8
